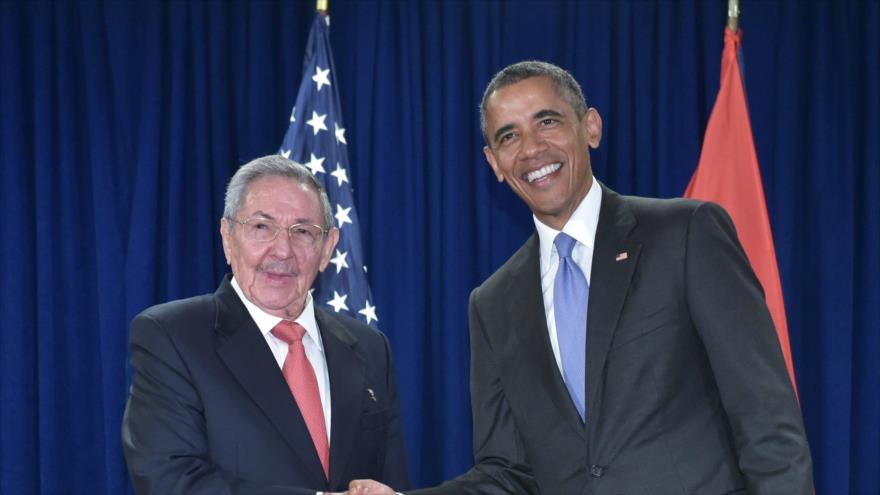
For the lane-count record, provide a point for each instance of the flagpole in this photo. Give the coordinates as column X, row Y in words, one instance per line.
column 322, row 6
column 732, row 14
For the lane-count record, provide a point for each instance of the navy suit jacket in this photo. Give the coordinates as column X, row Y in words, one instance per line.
column 210, row 411
column 686, row 388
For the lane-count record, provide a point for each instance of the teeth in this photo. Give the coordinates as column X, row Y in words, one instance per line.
column 543, row 172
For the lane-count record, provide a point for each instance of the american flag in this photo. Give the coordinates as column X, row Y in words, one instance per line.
column 316, row 138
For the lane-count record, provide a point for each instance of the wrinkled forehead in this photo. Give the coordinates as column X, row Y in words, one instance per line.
column 277, row 196
column 524, row 99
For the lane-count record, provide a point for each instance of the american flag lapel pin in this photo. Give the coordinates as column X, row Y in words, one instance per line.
column 621, row 256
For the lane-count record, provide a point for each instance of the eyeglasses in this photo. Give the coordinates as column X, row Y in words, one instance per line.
column 262, row 230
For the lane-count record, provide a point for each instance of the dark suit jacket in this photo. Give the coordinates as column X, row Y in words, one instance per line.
column 686, row 387
column 210, row 411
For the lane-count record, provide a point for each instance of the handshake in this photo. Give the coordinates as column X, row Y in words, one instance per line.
column 366, row 487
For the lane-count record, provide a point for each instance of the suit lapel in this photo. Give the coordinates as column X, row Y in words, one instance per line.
column 243, row 349
column 611, row 275
column 347, row 370
column 525, row 307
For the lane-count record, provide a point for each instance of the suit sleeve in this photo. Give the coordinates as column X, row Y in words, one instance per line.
column 727, row 306
column 395, row 472
column 500, row 463
column 163, row 430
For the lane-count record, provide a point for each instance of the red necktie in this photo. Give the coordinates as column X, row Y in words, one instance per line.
column 301, row 379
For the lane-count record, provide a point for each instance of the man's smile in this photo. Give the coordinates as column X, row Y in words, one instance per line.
column 542, row 173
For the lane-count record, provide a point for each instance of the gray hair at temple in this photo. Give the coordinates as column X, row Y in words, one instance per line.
column 272, row 166
column 567, row 87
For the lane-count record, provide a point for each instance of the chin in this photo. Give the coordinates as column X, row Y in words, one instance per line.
column 272, row 298
column 547, row 210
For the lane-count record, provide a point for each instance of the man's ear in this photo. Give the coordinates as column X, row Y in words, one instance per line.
column 592, row 122
column 225, row 236
column 490, row 157
column 329, row 246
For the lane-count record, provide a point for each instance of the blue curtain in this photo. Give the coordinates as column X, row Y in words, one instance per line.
column 120, row 123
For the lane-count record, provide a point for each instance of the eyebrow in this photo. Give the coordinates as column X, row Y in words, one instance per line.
column 501, row 131
column 540, row 114
column 262, row 214
column 546, row 113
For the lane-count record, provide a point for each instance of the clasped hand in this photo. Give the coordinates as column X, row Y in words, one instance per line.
column 366, row 487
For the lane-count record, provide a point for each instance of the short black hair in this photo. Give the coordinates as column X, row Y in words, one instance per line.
column 562, row 80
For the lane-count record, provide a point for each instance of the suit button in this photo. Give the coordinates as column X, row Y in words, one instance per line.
column 596, row 471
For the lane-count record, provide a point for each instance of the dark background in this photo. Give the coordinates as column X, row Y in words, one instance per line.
column 120, row 123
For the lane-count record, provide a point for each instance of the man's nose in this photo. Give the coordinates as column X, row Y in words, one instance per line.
column 282, row 244
column 532, row 144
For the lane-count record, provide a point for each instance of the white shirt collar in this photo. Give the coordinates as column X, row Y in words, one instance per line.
column 266, row 322
column 581, row 226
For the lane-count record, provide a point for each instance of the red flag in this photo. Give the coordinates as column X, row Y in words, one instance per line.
column 728, row 174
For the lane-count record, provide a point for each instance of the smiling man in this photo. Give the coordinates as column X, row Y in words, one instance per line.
column 255, row 389
column 539, row 147
column 626, row 347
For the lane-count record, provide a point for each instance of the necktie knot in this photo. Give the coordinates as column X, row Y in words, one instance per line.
column 289, row 331
column 564, row 244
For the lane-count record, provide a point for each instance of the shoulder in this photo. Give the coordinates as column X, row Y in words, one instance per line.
column 673, row 217
column 348, row 328
column 183, row 319
column 524, row 263
column 180, row 311
column 670, row 210
column 355, row 327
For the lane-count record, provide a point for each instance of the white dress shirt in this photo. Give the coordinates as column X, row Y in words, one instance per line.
column 312, row 343
column 582, row 227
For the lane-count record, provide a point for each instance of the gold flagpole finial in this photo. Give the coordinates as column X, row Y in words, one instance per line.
column 733, row 14
column 322, row 6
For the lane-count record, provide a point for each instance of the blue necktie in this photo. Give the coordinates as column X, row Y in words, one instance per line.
column 570, row 294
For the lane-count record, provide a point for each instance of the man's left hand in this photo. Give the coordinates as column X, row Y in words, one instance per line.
column 369, row 487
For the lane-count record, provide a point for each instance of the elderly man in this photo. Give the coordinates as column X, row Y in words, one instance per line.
column 254, row 388
column 626, row 347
